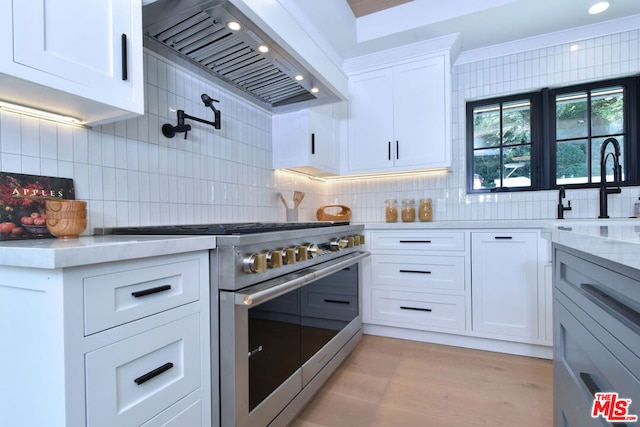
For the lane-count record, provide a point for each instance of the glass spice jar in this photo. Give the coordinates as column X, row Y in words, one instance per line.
column 408, row 210
column 391, row 210
column 425, row 210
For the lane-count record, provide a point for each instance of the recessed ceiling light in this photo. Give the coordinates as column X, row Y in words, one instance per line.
column 299, row 77
column 599, row 7
column 234, row 26
column 315, row 90
column 263, row 48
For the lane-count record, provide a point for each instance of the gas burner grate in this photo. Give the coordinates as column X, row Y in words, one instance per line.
column 220, row 229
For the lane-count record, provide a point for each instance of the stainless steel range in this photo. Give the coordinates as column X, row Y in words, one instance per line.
column 288, row 304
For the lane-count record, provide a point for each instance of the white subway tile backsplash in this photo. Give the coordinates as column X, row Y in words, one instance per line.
column 132, row 175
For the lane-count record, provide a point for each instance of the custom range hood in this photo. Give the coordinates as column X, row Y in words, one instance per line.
column 194, row 34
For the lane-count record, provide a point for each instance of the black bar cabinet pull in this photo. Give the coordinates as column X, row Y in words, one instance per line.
column 414, row 308
column 313, row 143
column 415, row 241
column 125, row 66
column 138, row 294
column 336, row 301
column 590, row 383
column 615, row 307
column 152, row 374
column 397, row 150
column 389, row 150
column 415, row 271
column 593, row 388
column 503, row 237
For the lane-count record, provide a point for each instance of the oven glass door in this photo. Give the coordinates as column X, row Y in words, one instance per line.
column 288, row 330
column 328, row 305
column 274, row 345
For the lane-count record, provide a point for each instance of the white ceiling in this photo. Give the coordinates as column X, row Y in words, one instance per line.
column 481, row 23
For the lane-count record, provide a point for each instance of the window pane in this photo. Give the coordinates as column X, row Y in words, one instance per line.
column 486, row 168
column 607, row 113
column 486, row 126
column 517, row 166
column 571, row 116
column 572, row 162
column 516, row 122
column 595, row 159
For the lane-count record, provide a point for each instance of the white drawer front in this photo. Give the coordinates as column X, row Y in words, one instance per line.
column 419, row 240
column 117, row 298
column 417, row 310
column 191, row 417
column 117, row 393
column 421, row 272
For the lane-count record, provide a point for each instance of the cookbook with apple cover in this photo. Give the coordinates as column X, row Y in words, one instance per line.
column 22, row 199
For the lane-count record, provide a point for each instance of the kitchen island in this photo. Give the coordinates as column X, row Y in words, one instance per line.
column 596, row 322
column 106, row 331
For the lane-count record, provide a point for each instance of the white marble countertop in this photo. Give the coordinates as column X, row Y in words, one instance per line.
column 55, row 253
column 616, row 240
column 617, row 243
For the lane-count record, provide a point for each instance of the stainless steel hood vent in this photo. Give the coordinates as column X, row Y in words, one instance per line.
column 195, row 33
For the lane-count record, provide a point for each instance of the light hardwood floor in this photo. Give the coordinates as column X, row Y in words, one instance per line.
column 397, row 383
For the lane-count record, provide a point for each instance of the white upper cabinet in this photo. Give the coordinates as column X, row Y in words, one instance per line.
column 307, row 141
column 74, row 57
column 400, row 110
column 371, row 122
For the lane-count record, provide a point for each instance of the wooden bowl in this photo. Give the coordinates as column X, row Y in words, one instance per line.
column 66, row 228
column 65, row 205
column 66, row 214
column 343, row 215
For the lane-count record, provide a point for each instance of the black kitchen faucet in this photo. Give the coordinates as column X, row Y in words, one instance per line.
column 617, row 174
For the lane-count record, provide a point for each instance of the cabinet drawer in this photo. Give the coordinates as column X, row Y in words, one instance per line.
column 423, row 272
column 132, row 380
column 589, row 363
column 176, row 416
column 418, row 310
column 612, row 300
column 570, row 408
column 120, row 297
column 419, row 240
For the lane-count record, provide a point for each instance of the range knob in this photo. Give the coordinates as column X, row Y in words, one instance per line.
column 356, row 240
column 274, row 258
column 336, row 244
column 289, row 256
column 313, row 250
column 302, row 253
column 255, row 263
column 361, row 238
column 350, row 241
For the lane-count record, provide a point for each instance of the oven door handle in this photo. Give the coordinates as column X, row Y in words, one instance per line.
column 310, row 275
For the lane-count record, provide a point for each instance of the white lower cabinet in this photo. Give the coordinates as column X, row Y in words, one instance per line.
column 129, row 380
column 418, row 310
column 418, row 280
column 478, row 288
column 115, row 344
column 504, row 274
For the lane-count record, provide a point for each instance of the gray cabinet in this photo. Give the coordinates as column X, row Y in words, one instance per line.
column 596, row 345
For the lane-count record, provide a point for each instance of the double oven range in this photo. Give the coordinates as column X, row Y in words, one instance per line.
column 288, row 305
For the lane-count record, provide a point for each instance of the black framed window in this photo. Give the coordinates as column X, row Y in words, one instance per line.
column 502, row 140
column 584, row 117
column 540, row 141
